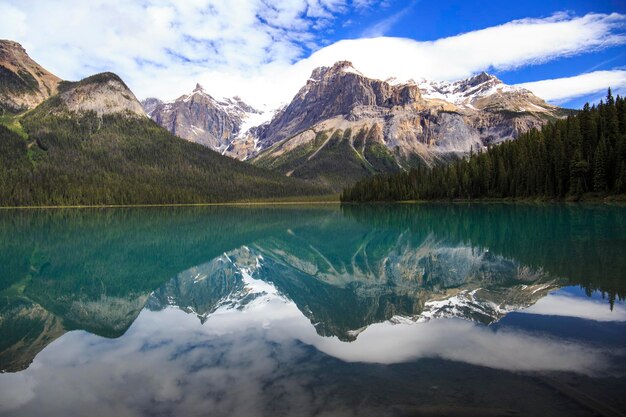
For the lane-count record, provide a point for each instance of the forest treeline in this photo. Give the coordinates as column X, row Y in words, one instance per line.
column 568, row 158
column 66, row 159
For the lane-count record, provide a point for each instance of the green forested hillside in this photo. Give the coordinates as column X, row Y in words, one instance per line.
column 583, row 154
column 48, row 158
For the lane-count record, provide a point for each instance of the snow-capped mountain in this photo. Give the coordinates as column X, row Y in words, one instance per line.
column 343, row 126
column 413, row 122
column 483, row 287
column 200, row 118
column 484, row 92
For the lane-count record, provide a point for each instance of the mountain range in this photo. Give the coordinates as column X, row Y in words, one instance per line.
column 90, row 142
column 340, row 127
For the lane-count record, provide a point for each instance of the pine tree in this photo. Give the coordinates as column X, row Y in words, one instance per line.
column 599, row 168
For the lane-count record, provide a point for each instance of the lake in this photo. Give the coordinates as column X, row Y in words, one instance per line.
column 318, row 310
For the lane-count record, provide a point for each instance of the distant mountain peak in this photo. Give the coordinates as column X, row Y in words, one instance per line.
column 200, row 118
column 343, row 66
column 483, row 77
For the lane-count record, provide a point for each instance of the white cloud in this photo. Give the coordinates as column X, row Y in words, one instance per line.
column 12, row 21
column 254, row 48
column 173, row 364
column 560, row 304
column 560, row 90
column 515, row 44
column 508, row 46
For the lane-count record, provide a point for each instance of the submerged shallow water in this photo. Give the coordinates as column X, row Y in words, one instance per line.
column 477, row 309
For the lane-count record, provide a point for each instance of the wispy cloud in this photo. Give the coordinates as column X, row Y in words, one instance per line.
column 561, row 90
column 384, row 26
column 233, row 35
column 261, row 49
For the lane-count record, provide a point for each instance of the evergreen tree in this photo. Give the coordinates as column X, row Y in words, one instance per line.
column 599, row 168
column 567, row 158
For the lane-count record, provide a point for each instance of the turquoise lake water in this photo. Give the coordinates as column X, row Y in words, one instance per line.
column 319, row 310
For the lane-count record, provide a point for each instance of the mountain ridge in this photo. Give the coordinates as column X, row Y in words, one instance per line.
column 90, row 143
column 378, row 126
column 24, row 84
column 390, row 127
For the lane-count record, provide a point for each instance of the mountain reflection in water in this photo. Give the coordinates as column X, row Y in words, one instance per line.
column 255, row 311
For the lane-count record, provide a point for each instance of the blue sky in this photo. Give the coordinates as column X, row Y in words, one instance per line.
column 264, row 50
column 432, row 20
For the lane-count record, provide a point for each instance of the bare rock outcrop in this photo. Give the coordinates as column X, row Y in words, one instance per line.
column 200, row 118
column 103, row 94
column 24, row 84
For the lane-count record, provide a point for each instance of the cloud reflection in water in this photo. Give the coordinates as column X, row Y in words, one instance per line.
column 246, row 361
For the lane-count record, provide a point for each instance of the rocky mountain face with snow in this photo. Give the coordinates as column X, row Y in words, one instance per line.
column 342, row 118
column 24, row 84
column 200, row 118
column 342, row 125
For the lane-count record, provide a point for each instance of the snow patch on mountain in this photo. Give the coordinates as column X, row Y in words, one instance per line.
column 463, row 92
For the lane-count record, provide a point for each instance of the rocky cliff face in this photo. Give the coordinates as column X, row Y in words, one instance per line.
column 103, row 94
column 338, row 90
column 200, row 118
column 403, row 124
column 24, row 84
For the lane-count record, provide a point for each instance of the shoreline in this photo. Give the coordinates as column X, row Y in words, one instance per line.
column 321, row 202
column 234, row 203
column 619, row 198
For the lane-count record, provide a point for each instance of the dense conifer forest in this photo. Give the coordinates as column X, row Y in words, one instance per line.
column 47, row 158
column 584, row 154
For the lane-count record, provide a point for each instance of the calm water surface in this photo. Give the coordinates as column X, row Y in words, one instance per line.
column 416, row 310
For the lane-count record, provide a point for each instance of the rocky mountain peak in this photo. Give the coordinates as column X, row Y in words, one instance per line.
column 103, row 94
column 335, row 91
column 200, row 118
column 344, row 67
column 482, row 78
column 338, row 68
column 24, row 84
column 9, row 45
column 485, row 92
